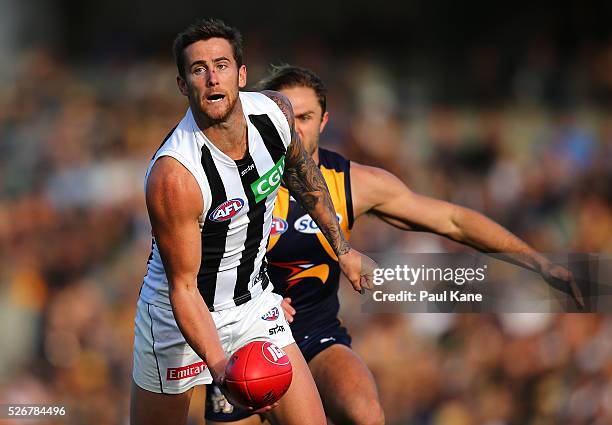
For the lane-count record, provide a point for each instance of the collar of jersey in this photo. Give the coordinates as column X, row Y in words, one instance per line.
column 215, row 151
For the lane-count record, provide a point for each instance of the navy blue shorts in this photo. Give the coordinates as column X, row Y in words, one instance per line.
column 309, row 345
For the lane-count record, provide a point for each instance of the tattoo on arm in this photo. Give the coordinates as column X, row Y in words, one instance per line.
column 306, row 183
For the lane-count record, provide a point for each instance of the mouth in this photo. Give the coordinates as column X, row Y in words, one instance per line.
column 214, row 98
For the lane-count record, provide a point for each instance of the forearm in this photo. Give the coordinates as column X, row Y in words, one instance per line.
column 196, row 325
column 307, row 185
column 485, row 235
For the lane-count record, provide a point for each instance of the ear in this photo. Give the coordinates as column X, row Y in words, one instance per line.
column 324, row 120
column 242, row 76
column 182, row 85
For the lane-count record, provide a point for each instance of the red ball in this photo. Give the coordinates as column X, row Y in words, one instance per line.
column 258, row 374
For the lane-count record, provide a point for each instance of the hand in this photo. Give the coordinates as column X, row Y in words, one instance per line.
column 287, row 309
column 561, row 278
column 359, row 269
column 218, row 373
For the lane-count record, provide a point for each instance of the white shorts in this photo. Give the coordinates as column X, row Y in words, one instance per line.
column 165, row 363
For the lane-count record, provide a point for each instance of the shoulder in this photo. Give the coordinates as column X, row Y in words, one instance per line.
column 333, row 160
column 372, row 186
column 367, row 174
column 171, row 186
column 282, row 102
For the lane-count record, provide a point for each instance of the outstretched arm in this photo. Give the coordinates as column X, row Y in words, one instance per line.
column 378, row 192
column 306, row 183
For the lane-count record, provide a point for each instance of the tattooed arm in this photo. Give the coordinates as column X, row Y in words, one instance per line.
column 307, row 185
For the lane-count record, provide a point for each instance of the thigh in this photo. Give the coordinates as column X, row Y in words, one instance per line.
column 149, row 408
column 346, row 386
column 301, row 405
column 163, row 361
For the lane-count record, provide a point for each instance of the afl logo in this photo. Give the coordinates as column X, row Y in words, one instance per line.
column 305, row 224
column 279, row 226
column 226, row 210
column 271, row 315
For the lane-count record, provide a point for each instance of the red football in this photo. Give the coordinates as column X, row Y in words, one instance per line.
column 258, row 374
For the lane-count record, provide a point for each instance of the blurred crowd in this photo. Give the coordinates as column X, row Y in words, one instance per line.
column 75, row 140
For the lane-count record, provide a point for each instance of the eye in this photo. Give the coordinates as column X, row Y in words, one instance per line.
column 222, row 66
column 199, row 70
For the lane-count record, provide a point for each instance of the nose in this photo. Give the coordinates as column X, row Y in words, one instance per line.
column 298, row 129
column 212, row 79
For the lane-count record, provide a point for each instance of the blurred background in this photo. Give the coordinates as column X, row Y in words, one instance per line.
column 503, row 107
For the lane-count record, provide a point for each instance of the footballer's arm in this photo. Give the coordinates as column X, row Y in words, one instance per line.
column 174, row 203
column 378, row 192
column 306, row 183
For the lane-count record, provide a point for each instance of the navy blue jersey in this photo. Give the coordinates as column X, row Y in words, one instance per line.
column 301, row 263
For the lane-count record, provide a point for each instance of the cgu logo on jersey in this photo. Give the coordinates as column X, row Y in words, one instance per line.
column 267, row 183
column 271, row 315
column 279, row 226
column 305, row 224
column 226, row 210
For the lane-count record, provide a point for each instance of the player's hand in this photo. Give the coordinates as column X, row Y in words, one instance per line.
column 359, row 269
column 218, row 373
column 287, row 309
column 561, row 278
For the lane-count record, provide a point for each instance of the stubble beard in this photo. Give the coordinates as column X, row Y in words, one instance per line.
column 217, row 118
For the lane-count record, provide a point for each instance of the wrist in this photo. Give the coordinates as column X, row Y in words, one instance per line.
column 216, row 365
column 343, row 249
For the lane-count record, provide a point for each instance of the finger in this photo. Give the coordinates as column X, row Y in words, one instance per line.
column 356, row 283
column 367, row 281
column 287, row 300
column 576, row 293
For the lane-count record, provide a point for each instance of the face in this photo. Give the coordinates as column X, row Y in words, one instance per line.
column 212, row 78
column 309, row 118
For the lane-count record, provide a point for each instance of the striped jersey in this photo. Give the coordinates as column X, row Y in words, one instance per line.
column 238, row 200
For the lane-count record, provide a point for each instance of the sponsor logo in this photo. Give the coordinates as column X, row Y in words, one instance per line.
column 274, row 354
column 226, row 210
column 178, row 373
column 324, row 340
column 276, row 329
column 247, row 169
column 271, row 315
column 305, row 224
column 269, row 182
column 279, row 226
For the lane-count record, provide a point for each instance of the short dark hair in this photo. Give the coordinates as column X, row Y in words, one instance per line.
column 203, row 29
column 287, row 76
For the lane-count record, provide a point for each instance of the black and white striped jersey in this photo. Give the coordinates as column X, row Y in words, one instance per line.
column 238, row 203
